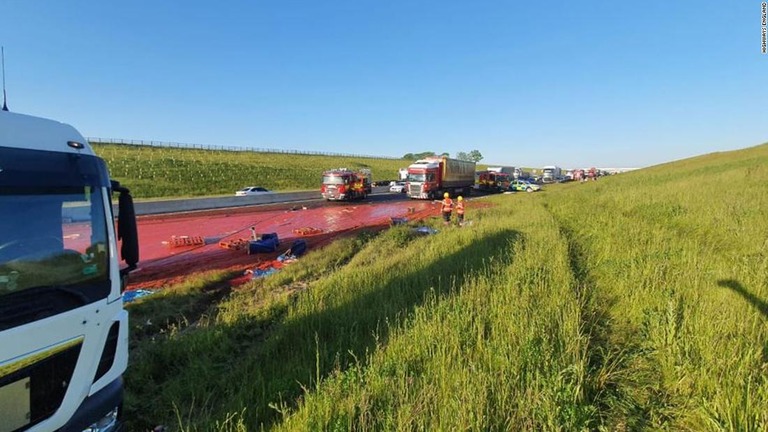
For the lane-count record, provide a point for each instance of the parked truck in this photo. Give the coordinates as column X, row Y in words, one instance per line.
column 593, row 173
column 367, row 180
column 509, row 170
column 491, row 181
column 551, row 174
column 63, row 329
column 429, row 178
column 521, row 174
column 343, row 184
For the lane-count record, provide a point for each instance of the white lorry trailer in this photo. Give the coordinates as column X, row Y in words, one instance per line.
column 551, row 174
column 63, row 329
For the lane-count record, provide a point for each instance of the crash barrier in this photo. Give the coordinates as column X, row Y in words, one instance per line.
column 194, row 204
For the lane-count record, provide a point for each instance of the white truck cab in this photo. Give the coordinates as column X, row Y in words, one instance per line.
column 63, row 329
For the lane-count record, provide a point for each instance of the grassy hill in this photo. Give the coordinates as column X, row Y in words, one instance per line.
column 152, row 172
column 636, row 302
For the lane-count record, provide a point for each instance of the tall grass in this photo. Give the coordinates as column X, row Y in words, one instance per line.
column 637, row 302
column 681, row 255
column 504, row 348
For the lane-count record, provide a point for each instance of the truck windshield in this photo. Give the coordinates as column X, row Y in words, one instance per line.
column 419, row 178
column 332, row 179
column 53, row 235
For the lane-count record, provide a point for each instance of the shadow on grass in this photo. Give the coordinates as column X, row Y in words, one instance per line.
column 759, row 304
column 273, row 374
column 314, row 346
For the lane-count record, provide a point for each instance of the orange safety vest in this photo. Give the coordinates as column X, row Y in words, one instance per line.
column 447, row 205
column 460, row 207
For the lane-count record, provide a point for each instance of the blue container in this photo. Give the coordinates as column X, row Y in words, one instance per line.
column 271, row 236
column 262, row 246
column 298, row 247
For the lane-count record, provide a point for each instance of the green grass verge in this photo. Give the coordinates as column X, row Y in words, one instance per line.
column 637, row 302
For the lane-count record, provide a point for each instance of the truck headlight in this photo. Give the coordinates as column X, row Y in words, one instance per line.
column 108, row 423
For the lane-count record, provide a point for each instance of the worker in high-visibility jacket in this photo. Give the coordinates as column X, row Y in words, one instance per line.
column 446, row 208
column 460, row 210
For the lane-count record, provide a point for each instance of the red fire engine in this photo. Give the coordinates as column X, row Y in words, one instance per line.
column 345, row 185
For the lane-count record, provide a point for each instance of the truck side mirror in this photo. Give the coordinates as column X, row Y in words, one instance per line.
column 127, row 230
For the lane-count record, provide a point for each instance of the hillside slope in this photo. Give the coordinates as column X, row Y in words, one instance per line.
column 636, row 302
column 154, row 172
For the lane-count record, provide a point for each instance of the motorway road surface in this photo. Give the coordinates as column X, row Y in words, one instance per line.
column 161, row 263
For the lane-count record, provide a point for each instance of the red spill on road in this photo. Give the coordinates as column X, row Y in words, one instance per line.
column 162, row 263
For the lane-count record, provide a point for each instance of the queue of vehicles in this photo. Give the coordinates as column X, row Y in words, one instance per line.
column 430, row 177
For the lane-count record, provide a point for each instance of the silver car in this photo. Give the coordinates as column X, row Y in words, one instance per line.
column 398, row 187
column 251, row 190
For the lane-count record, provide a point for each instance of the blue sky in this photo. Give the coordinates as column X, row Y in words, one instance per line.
column 587, row 83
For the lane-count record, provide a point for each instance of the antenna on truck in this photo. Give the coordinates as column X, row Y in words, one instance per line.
column 2, row 54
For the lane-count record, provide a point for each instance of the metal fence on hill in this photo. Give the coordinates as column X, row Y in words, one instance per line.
column 96, row 140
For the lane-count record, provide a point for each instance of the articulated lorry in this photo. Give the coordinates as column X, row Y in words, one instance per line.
column 63, row 329
column 429, row 178
column 551, row 174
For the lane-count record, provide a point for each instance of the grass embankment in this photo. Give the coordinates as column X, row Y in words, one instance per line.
column 679, row 255
column 152, row 172
column 638, row 302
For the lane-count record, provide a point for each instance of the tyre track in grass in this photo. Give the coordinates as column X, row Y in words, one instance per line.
column 608, row 354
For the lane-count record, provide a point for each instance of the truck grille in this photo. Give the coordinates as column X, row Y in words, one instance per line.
column 49, row 379
column 331, row 193
column 414, row 189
